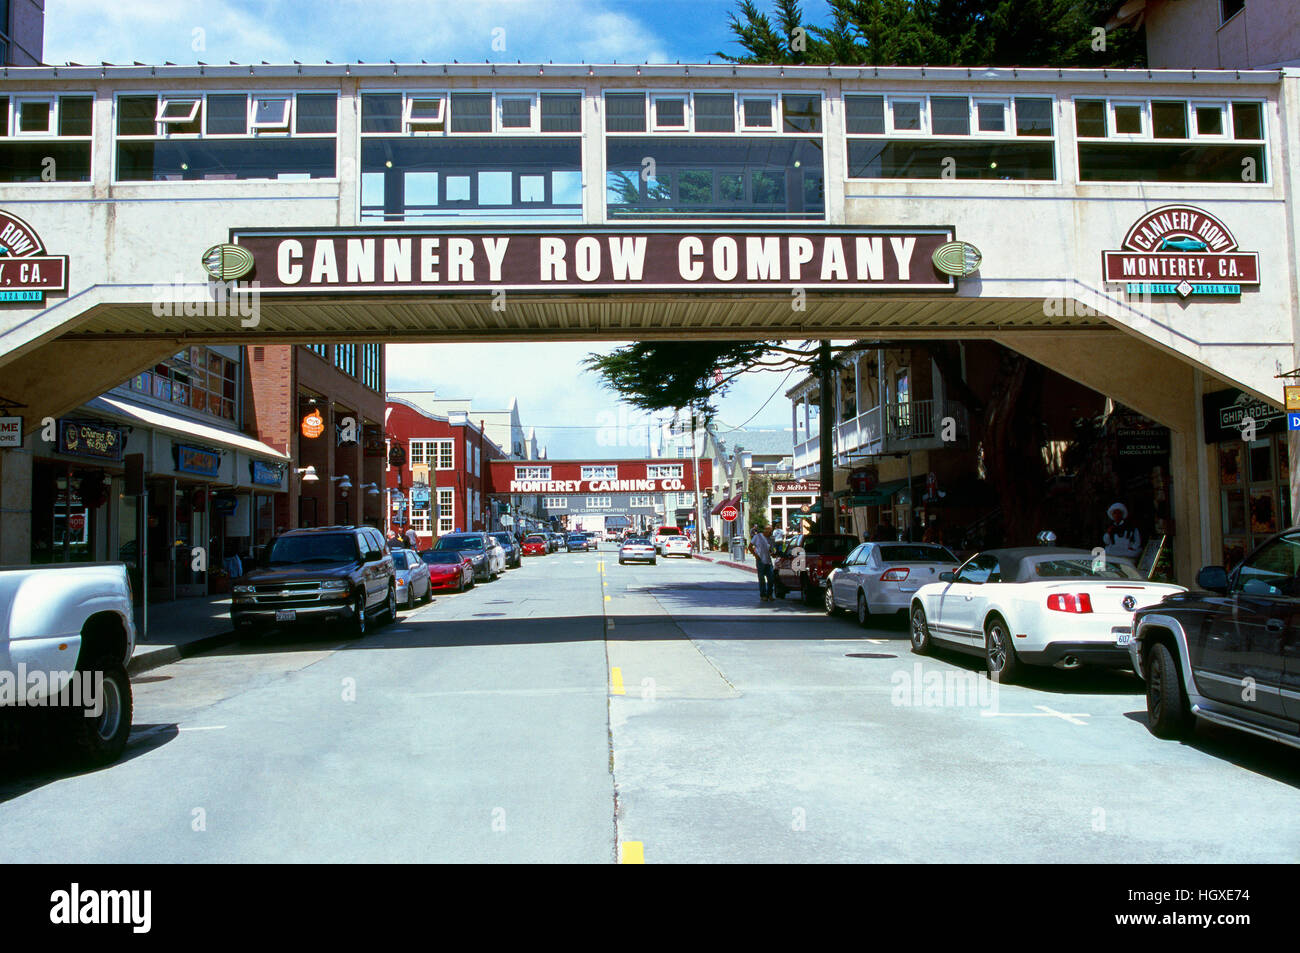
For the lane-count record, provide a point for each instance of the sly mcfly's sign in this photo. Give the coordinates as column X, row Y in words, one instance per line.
column 533, row 258
column 1182, row 250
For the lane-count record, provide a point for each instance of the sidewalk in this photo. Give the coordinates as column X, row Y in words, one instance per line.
column 724, row 559
column 181, row 628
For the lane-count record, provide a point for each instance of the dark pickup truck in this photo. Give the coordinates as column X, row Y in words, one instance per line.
column 1229, row 654
column 326, row 574
column 803, row 562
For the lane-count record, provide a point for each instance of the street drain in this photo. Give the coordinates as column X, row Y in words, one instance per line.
column 869, row 655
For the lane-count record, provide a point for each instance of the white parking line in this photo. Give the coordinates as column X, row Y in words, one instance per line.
column 1043, row 712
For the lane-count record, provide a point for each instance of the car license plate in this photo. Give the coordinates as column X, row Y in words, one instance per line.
column 285, row 615
column 1123, row 634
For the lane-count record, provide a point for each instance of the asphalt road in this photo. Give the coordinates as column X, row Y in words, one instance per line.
column 581, row 711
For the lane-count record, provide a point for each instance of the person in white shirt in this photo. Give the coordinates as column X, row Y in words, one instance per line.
column 761, row 546
column 1121, row 537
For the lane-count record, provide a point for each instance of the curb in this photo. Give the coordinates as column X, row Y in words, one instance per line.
column 166, row 654
column 727, row 562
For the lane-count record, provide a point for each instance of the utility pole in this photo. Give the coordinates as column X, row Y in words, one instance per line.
column 695, row 462
column 826, row 523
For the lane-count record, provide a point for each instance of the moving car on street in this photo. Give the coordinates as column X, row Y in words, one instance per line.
column 324, row 574
column 804, row 562
column 412, row 575
column 662, row 533
column 880, row 578
column 536, row 545
column 485, row 553
column 637, row 549
column 449, row 569
column 1036, row 605
column 1227, row 653
column 577, row 542
column 73, row 624
column 676, row 546
column 514, row 553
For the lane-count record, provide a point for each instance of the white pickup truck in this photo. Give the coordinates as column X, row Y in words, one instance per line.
column 68, row 634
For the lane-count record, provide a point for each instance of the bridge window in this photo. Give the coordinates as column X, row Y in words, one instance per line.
column 532, row 473
column 713, row 112
column 198, row 378
column 599, row 502
column 45, row 138
column 555, row 503
column 434, row 113
column 371, row 367
column 173, row 137
column 949, row 137
column 1170, row 140
column 664, row 471
column 345, row 358
column 600, row 473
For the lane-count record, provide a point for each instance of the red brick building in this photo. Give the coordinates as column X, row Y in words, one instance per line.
column 443, row 485
column 323, row 404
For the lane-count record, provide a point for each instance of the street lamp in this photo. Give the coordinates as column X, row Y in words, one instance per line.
column 308, row 474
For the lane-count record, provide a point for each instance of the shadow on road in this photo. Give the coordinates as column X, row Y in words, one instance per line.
column 28, row 768
column 1268, row 759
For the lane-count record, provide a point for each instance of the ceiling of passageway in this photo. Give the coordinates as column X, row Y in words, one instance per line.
column 589, row 318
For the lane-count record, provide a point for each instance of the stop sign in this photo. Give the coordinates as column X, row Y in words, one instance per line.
column 76, row 522
column 729, row 513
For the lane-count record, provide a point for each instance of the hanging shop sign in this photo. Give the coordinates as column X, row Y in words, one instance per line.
column 539, row 258
column 81, row 439
column 313, row 425
column 1138, row 437
column 797, row 487
column 372, row 441
column 225, row 504
column 863, row 480
column 196, row 460
column 26, row 272
column 1227, row 411
column 11, row 431
column 1181, row 250
column 265, row 474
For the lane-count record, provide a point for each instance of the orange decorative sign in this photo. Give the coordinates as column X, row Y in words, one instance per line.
column 1292, row 394
column 313, row 425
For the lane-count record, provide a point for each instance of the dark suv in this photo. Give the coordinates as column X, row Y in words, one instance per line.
column 1230, row 653
column 514, row 551
column 326, row 574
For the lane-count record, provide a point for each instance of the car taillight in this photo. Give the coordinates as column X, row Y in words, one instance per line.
column 894, row 575
column 1069, row 602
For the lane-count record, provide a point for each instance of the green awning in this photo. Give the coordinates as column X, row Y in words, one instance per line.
column 882, row 495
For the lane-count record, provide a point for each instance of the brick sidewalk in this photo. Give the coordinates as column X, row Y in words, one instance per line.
column 181, row 628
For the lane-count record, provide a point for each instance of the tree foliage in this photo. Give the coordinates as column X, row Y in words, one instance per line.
column 937, row 33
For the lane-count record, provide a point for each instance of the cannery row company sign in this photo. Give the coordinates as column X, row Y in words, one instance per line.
column 1182, row 250
column 536, row 258
column 26, row 272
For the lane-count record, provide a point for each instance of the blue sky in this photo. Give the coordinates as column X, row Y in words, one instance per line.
column 574, row 414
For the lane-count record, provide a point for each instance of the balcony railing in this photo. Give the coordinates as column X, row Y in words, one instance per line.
column 895, row 428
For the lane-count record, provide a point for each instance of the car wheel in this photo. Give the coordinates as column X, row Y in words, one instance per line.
column 359, row 620
column 410, row 599
column 864, row 610
column 999, row 653
column 621, row 562
column 1168, row 714
column 99, row 739
column 808, row 591
column 654, row 562
column 920, row 632
column 428, row 593
column 831, row 607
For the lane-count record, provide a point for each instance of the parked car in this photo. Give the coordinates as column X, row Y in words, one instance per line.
column 676, row 546
column 449, row 569
column 1037, row 605
column 412, row 575
column 804, row 562
column 73, row 622
column 536, row 545
column 637, row 549
column 577, row 542
column 484, row 552
column 514, row 553
column 559, row 541
column 880, row 578
column 1227, row 653
column 662, row 533
column 328, row 573
column 593, row 539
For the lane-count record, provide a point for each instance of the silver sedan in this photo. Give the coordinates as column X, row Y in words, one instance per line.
column 880, row 578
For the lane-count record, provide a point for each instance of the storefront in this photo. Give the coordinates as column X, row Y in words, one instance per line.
column 790, row 506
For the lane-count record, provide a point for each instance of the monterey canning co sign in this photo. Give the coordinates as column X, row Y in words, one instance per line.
column 1183, row 250
column 536, row 258
column 26, row 272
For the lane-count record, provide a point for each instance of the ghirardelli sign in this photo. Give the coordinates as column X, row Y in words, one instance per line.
column 26, row 272
column 1183, row 250
column 536, row 258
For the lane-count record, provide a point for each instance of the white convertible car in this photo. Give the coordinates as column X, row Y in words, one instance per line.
column 1036, row 605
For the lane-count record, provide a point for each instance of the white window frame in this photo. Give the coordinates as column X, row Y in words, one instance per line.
column 735, row 119
column 412, row 126
column 258, row 127
column 1008, row 118
column 588, row 472
column 15, row 111
column 922, row 101
column 599, row 503
column 666, row 471
column 534, row 113
column 774, row 103
column 688, row 116
column 1112, row 126
column 971, row 116
column 164, row 101
column 478, row 461
column 1189, row 118
column 447, row 513
column 532, row 474
column 1225, row 119
column 439, row 443
column 556, row 503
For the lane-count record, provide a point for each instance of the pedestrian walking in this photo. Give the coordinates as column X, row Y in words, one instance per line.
column 412, row 540
column 761, row 546
column 1121, row 538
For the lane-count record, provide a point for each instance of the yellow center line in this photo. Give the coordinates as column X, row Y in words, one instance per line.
column 616, row 682
column 633, row 852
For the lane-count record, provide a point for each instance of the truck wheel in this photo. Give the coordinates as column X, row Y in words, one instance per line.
column 360, row 623
column 809, row 591
column 1168, row 715
column 778, row 590
column 99, row 739
column 390, row 607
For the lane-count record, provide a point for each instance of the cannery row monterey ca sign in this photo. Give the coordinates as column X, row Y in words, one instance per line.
column 1182, row 250
column 26, row 272
column 536, row 258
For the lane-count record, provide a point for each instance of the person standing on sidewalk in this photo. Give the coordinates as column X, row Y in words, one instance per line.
column 761, row 546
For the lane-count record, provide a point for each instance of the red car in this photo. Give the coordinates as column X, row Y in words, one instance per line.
column 449, row 569
column 535, row 546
